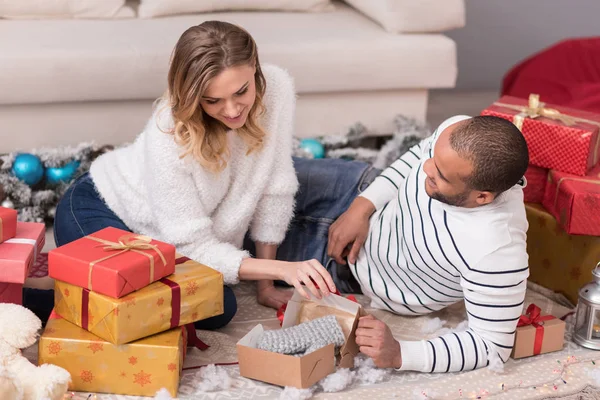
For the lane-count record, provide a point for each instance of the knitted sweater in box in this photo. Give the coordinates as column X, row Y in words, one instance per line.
column 206, row 215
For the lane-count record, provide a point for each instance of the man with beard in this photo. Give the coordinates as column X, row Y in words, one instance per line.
column 445, row 222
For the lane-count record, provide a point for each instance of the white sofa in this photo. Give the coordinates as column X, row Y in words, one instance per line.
column 67, row 81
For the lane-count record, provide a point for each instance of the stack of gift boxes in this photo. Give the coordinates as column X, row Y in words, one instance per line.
column 124, row 311
column 20, row 243
column 563, row 191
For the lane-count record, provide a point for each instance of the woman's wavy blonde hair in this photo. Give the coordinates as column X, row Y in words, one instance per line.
column 202, row 53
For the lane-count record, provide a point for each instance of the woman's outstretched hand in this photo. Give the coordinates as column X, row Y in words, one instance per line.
column 303, row 275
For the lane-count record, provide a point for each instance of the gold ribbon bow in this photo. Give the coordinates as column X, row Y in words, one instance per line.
column 536, row 108
column 130, row 242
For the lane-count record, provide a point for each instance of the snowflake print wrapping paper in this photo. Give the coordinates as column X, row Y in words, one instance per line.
column 194, row 292
column 98, row 366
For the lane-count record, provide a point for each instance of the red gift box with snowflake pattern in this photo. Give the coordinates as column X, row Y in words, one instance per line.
column 575, row 201
column 140, row 368
column 193, row 293
column 559, row 138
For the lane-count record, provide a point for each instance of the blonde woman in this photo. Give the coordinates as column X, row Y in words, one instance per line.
column 213, row 167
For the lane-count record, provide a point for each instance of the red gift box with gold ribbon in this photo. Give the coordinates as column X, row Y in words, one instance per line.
column 575, row 201
column 538, row 334
column 112, row 262
column 558, row 138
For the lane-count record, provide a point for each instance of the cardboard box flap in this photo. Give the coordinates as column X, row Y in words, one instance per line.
column 316, row 365
column 251, row 339
column 347, row 312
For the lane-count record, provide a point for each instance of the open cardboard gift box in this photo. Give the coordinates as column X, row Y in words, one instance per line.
column 302, row 372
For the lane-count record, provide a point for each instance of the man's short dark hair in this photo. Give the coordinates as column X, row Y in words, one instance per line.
column 497, row 150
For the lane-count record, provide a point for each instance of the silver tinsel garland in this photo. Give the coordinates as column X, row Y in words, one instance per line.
column 38, row 203
column 407, row 133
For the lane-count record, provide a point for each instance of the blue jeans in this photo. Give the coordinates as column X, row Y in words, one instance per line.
column 327, row 188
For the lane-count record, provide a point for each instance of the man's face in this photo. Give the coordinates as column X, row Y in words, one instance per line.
column 447, row 175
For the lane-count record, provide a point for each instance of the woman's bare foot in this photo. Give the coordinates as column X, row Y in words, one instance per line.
column 270, row 296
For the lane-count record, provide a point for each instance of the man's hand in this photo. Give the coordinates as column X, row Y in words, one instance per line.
column 376, row 341
column 352, row 227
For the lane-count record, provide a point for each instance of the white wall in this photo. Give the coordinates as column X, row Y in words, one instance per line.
column 500, row 33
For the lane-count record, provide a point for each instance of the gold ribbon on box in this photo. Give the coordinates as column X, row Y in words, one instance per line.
column 536, row 108
column 130, row 242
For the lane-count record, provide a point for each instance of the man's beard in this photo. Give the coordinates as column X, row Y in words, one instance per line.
column 458, row 200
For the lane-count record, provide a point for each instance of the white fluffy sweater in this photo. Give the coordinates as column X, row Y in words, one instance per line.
column 206, row 215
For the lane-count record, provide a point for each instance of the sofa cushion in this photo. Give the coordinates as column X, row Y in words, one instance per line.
column 157, row 8
column 64, row 9
column 75, row 60
column 413, row 16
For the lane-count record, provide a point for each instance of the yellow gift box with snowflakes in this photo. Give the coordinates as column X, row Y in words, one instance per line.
column 557, row 260
column 194, row 292
column 140, row 368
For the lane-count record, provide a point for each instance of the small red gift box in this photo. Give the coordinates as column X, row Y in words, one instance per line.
column 112, row 262
column 8, row 223
column 538, row 334
column 11, row 293
column 18, row 254
column 536, row 184
column 558, row 138
column 574, row 201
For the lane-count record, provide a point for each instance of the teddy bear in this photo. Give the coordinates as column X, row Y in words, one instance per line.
column 19, row 378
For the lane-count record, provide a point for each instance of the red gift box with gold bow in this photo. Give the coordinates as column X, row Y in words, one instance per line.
column 112, row 262
column 538, row 334
column 559, row 138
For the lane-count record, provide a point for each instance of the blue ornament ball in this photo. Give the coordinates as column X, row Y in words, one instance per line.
column 28, row 168
column 61, row 174
column 314, row 147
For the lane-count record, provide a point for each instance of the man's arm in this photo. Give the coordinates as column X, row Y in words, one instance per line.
column 385, row 187
column 494, row 301
column 352, row 226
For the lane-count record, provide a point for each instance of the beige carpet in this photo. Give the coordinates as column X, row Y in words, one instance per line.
column 398, row 385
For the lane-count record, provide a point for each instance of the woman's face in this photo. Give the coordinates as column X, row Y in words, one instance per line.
column 230, row 96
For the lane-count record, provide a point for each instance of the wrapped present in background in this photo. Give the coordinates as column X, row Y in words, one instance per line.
column 536, row 184
column 11, row 293
column 140, row 368
column 557, row 260
column 8, row 223
column 538, row 334
column 18, row 254
column 558, row 138
column 112, row 262
column 194, row 292
column 575, row 201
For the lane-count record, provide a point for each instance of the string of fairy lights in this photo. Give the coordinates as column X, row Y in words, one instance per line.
column 562, row 374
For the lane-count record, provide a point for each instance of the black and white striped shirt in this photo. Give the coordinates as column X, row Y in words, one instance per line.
column 422, row 255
